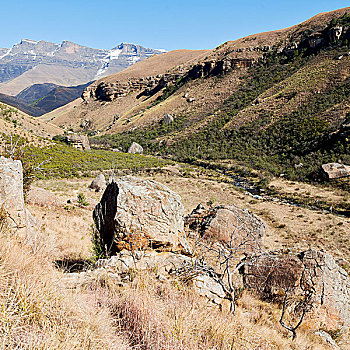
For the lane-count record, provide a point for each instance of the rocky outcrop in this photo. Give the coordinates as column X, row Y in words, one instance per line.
column 135, row 148
column 311, row 277
column 78, row 141
column 136, row 213
column 148, row 86
column 335, row 33
column 226, row 222
column 332, row 171
column 11, row 194
column 98, row 183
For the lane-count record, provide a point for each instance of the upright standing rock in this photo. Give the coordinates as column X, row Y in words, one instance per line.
column 11, row 192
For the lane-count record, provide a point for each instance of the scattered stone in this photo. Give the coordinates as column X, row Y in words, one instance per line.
column 313, row 274
column 332, row 171
column 98, row 183
column 208, row 287
column 166, row 263
column 191, row 99
column 85, row 124
column 168, row 119
column 327, row 339
column 122, row 262
column 135, row 148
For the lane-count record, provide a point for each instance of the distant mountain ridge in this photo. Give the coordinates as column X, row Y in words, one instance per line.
column 39, row 99
column 35, row 62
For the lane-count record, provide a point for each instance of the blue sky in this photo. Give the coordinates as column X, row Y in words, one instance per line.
column 176, row 24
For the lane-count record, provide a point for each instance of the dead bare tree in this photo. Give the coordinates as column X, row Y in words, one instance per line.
column 222, row 259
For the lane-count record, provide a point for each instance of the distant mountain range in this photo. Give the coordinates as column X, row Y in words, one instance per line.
column 32, row 63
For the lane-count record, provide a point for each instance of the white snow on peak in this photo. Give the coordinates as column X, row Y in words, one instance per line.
column 111, row 55
column 161, row 50
column 29, row 41
column 33, row 53
column 134, row 59
column 5, row 54
column 114, row 54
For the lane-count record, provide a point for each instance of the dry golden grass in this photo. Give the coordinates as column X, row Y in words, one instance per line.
column 37, row 312
column 157, row 315
column 40, row 312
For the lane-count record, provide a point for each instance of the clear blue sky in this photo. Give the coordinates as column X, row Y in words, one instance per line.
column 188, row 24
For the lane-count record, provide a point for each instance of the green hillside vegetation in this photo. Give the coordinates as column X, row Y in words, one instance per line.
column 267, row 141
column 63, row 161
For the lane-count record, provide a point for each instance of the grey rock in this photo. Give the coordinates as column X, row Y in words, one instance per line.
column 142, row 213
column 312, row 272
column 166, row 263
column 135, row 148
column 332, row 171
column 220, row 222
column 98, row 183
column 12, row 197
column 78, row 141
column 168, row 119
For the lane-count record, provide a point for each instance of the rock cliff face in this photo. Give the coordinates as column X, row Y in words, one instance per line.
column 148, row 86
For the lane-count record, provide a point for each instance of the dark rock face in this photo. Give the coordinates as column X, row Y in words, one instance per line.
column 104, row 216
column 310, row 276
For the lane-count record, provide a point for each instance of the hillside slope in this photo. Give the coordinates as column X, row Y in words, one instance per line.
column 271, row 100
column 16, row 123
column 102, row 114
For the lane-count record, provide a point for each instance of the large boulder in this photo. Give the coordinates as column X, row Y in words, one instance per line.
column 228, row 224
column 136, row 213
column 332, row 171
column 78, row 141
column 42, row 198
column 11, row 194
column 98, row 183
column 310, row 277
column 135, row 148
